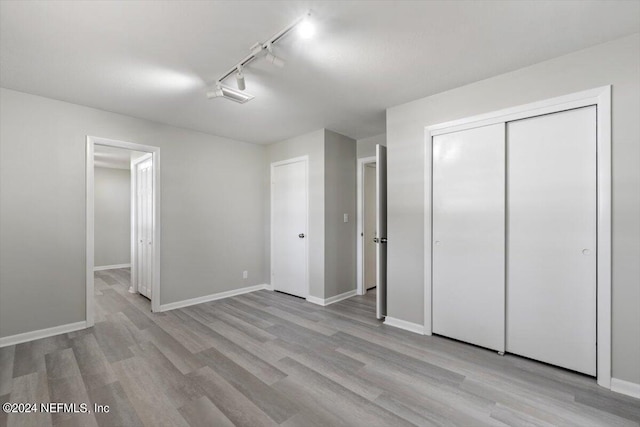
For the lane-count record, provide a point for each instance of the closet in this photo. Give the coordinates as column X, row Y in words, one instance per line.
column 514, row 227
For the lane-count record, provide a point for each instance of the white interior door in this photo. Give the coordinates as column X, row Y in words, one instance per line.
column 289, row 228
column 381, row 231
column 144, row 226
column 551, row 277
column 469, row 235
column 369, row 225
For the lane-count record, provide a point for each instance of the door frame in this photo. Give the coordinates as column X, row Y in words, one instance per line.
column 92, row 141
column 601, row 98
column 362, row 162
column 134, row 220
column 305, row 160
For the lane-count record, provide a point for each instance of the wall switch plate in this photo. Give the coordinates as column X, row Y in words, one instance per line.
column 346, row 217
column 245, row 274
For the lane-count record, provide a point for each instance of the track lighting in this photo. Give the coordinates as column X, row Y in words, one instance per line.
column 272, row 59
column 306, row 29
column 222, row 91
column 240, row 79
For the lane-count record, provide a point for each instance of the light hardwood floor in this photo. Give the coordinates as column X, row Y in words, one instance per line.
column 267, row 358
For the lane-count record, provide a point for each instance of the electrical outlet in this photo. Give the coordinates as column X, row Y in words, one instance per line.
column 346, row 217
column 245, row 274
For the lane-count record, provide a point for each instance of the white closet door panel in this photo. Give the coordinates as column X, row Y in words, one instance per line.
column 469, row 235
column 551, row 267
column 290, row 228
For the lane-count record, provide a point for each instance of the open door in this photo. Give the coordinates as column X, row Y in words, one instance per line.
column 142, row 262
column 381, row 231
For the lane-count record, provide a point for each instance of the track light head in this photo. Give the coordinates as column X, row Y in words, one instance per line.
column 272, row 59
column 221, row 91
column 240, row 79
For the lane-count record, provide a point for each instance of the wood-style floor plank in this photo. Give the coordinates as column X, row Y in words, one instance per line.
column 268, row 359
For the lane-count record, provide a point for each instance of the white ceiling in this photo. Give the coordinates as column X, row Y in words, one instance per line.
column 153, row 60
column 115, row 158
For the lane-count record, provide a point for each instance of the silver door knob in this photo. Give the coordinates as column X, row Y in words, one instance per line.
column 437, row 242
column 586, row 252
column 301, row 235
column 383, row 240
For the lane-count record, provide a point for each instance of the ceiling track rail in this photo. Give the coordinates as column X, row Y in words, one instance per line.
column 259, row 48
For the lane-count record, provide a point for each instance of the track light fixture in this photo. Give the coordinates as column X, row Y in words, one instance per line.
column 226, row 92
column 240, row 79
column 265, row 49
column 272, row 59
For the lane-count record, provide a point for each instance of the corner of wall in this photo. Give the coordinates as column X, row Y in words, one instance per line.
column 340, row 200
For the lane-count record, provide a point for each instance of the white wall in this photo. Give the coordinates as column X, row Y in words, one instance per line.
column 112, row 207
column 366, row 147
column 212, row 209
column 616, row 63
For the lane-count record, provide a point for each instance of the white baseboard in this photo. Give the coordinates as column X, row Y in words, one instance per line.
column 331, row 300
column 315, row 300
column 42, row 333
column 111, row 267
column 625, row 387
column 268, row 287
column 403, row 324
column 212, row 297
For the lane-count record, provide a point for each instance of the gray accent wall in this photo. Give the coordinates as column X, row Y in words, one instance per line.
column 212, row 210
column 616, row 63
column 112, row 211
column 340, row 199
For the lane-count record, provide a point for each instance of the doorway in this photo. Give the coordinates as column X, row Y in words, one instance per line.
column 123, row 221
column 289, row 225
column 372, row 229
column 369, row 227
column 366, row 247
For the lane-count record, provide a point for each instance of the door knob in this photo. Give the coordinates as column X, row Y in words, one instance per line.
column 586, row 252
column 376, row 240
column 383, row 240
column 301, row 235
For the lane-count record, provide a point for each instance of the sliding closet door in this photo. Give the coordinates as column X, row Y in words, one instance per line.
column 551, row 219
column 469, row 235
